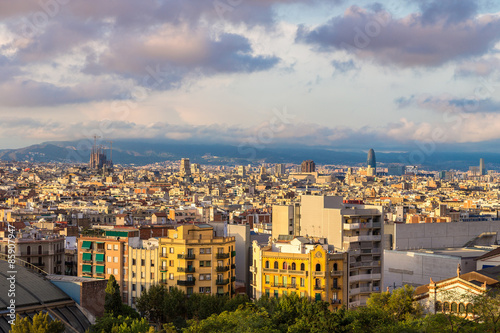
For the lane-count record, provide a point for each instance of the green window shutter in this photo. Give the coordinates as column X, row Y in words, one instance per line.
column 87, row 268
column 99, row 269
column 86, row 245
column 87, row 256
column 99, row 257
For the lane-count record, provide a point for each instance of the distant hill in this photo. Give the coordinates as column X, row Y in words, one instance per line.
column 141, row 152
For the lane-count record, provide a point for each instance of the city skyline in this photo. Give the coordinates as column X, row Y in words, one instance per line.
column 341, row 74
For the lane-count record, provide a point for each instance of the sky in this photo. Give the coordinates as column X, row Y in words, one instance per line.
column 328, row 73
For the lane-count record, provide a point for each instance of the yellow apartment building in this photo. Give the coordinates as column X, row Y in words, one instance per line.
column 302, row 266
column 195, row 261
column 143, row 261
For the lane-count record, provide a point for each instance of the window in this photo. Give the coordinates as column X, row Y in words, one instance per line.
column 318, row 267
column 116, row 247
column 276, row 294
column 40, row 249
column 276, row 280
column 143, row 275
column 152, row 263
column 302, row 267
column 285, row 266
column 267, row 292
column 317, row 297
column 143, row 262
column 284, row 292
column 293, row 281
column 208, row 276
column 207, row 290
column 302, row 294
column 171, row 250
column 267, row 279
column 446, row 307
column 334, row 296
column 133, row 274
column 202, row 277
column 133, row 262
column 202, row 251
column 110, row 247
column 171, row 263
column 202, row 289
column 109, row 259
column 267, row 264
column 115, row 271
column 208, row 263
column 453, row 307
column 302, row 283
column 335, row 267
column 171, row 276
column 115, row 259
column 109, row 271
column 133, row 287
column 208, row 250
column 142, row 288
column 469, row 308
column 275, row 265
column 189, row 291
column 294, row 267
column 439, row 306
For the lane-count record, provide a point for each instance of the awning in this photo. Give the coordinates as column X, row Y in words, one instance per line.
column 87, row 256
column 87, row 268
column 99, row 269
column 99, row 257
column 86, row 245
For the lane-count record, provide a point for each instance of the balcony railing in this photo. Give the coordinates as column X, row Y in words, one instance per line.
column 186, row 256
column 222, row 255
column 233, row 266
column 364, row 277
column 233, row 278
column 222, row 294
column 189, row 269
column 233, row 253
column 319, row 287
column 220, row 282
column 163, row 255
column 221, row 268
column 163, row 268
column 336, row 301
column 189, row 282
column 336, row 273
column 319, row 274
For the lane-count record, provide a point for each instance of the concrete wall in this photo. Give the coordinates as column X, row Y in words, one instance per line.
column 281, row 220
column 405, row 267
column 92, row 296
column 488, row 262
column 439, row 235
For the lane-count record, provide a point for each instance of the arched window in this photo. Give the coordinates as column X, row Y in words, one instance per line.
column 446, row 307
column 276, row 265
column 335, row 267
column 461, row 308
column 285, row 266
column 318, row 267
column 267, row 263
column 439, row 306
column 294, row 267
column 454, row 307
column 39, row 249
column 28, row 250
column 469, row 309
column 302, row 267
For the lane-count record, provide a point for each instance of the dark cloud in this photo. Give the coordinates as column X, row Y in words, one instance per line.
column 450, row 11
column 414, row 40
column 449, row 103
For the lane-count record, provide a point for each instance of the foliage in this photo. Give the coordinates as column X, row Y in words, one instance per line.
column 120, row 324
column 113, row 300
column 41, row 324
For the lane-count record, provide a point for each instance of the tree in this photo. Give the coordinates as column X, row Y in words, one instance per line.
column 151, row 303
column 41, row 323
column 399, row 304
column 486, row 309
column 113, row 301
column 243, row 320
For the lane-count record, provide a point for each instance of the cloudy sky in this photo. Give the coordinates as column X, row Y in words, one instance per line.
column 320, row 72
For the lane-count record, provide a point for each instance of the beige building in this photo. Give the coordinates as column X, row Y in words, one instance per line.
column 354, row 228
column 143, row 263
column 195, row 261
column 43, row 251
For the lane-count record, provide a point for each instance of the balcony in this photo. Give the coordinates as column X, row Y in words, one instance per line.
column 164, row 281
column 233, row 266
column 222, row 255
column 189, row 269
column 221, row 282
column 233, row 278
column 364, row 277
column 336, row 301
column 291, row 286
column 189, row 256
column 222, row 294
column 276, row 285
column 101, row 250
column 336, row 273
column 233, row 253
column 163, row 255
column 253, row 269
column 351, row 226
column 163, row 268
column 189, row 282
column 319, row 287
column 221, row 268
column 270, row 270
column 318, row 274
column 363, row 238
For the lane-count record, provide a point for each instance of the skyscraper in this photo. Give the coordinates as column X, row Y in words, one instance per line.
column 308, row 166
column 482, row 169
column 371, row 161
column 185, row 168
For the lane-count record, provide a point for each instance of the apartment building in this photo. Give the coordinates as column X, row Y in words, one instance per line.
column 143, row 261
column 302, row 266
column 195, row 261
column 43, row 251
column 352, row 227
column 101, row 257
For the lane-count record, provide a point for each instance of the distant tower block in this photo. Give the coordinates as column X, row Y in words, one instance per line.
column 371, row 161
column 482, row 169
column 98, row 158
column 185, row 167
column 308, row 166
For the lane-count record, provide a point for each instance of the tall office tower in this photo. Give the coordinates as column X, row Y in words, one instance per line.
column 279, row 169
column 482, row 169
column 308, row 166
column 185, row 168
column 355, row 228
column 371, row 161
column 242, row 171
